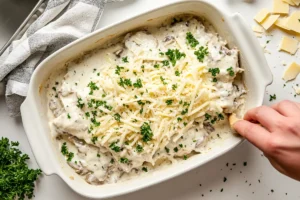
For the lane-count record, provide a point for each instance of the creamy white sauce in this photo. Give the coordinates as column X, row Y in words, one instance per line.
column 97, row 161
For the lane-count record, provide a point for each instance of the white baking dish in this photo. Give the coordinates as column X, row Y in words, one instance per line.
column 230, row 26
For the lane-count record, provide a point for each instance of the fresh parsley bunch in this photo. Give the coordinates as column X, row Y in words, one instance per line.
column 16, row 179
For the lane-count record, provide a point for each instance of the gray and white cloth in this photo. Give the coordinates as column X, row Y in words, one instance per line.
column 59, row 23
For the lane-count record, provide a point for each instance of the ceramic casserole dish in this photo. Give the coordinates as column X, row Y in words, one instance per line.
column 231, row 27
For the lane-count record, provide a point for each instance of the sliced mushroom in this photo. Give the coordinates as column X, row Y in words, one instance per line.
column 119, row 52
column 208, row 127
column 91, row 179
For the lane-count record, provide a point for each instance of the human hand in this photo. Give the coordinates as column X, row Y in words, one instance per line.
column 276, row 131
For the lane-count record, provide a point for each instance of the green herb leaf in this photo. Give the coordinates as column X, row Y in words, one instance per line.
column 114, row 147
column 272, row 97
column 138, row 83
column 201, row 53
column 169, row 102
column 230, row 71
column 118, row 70
column 16, row 179
column 191, row 40
column 214, row 71
column 125, row 59
column 146, row 132
column 139, row 148
column 124, row 160
column 117, row 117
column 174, row 55
column 145, row 169
column 92, row 85
column 94, row 139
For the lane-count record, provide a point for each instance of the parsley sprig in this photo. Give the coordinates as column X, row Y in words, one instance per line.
column 174, row 55
column 146, row 132
column 201, row 53
column 16, row 179
column 191, row 40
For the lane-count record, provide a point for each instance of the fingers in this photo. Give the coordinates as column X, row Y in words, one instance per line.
column 256, row 134
column 287, row 108
column 266, row 116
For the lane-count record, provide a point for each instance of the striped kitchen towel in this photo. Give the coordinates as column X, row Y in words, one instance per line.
column 59, row 23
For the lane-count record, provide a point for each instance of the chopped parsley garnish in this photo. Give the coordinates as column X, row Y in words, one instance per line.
column 114, row 147
column 156, row 66
column 54, row 88
column 214, row 71
column 92, row 85
column 146, row 132
column 141, row 110
column 125, row 59
column 230, row 71
column 220, row 116
column 185, row 157
column 215, row 80
column 167, row 149
column 163, row 80
column 118, row 70
column 176, row 149
column 94, row 139
column 214, row 120
column 145, row 169
column 98, row 155
column 70, row 156
column 191, row 40
column 138, row 83
column 117, row 117
column 98, row 74
column 140, row 102
column 174, row 55
column 124, row 160
column 161, row 53
column 16, row 179
column 186, row 104
column 201, row 53
column 69, row 117
column 180, row 145
column 184, row 123
column 207, row 116
column 179, row 119
column 94, row 121
column 169, row 102
column 177, row 73
column 64, row 150
column 139, row 148
column 184, row 111
column 272, row 97
column 165, row 63
column 112, row 161
column 124, row 82
column 80, row 104
column 174, row 86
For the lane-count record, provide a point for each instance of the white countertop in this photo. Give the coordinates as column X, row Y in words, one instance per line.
column 256, row 180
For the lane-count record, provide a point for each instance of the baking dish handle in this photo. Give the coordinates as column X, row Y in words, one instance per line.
column 44, row 158
column 244, row 32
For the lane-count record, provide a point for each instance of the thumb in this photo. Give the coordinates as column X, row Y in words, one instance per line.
column 254, row 133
